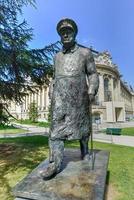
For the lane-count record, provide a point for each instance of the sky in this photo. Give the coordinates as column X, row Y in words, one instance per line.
column 102, row 24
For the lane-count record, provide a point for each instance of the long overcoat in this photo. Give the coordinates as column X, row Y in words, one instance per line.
column 74, row 77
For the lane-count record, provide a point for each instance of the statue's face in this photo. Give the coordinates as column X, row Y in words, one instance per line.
column 67, row 37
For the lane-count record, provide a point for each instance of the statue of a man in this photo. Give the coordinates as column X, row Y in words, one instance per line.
column 75, row 85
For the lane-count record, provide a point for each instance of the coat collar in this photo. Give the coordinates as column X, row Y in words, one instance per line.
column 71, row 50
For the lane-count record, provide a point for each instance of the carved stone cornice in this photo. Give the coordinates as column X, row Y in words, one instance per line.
column 105, row 58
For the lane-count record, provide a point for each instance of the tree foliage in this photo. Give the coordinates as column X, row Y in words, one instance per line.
column 20, row 65
column 33, row 112
column 3, row 115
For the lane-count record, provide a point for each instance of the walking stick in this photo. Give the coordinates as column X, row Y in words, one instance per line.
column 91, row 141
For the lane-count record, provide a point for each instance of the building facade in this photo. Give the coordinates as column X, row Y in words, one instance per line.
column 39, row 97
column 114, row 101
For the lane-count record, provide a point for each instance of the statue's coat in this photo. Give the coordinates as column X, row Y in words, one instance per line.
column 74, row 77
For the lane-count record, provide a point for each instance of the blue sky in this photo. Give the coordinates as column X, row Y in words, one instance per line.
column 103, row 24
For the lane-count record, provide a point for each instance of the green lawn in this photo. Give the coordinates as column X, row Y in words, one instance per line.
column 19, row 156
column 128, row 131
column 27, row 121
column 10, row 129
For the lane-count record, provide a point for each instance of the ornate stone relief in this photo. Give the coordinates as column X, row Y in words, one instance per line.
column 105, row 58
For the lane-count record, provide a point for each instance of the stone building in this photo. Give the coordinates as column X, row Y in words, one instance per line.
column 39, row 96
column 114, row 101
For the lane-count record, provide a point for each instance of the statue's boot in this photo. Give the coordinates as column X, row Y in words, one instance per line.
column 49, row 171
column 85, row 155
column 55, row 159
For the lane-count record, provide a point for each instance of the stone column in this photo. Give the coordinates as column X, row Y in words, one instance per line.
column 47, row 98
column 119, row 90
column 112, row 101
column 133, row 103
column 25, row 103
column 30, row 99
column 38, row 95
column 36, row 98
column 43, row 98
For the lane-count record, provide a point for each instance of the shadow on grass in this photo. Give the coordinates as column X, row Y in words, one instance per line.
column 35, row 140
column 5, row 127
column 19, row 156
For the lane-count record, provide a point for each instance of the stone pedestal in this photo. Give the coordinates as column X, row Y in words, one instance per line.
column 78, row 180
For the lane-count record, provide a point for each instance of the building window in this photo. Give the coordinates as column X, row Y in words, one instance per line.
column 107, row 92
column 115, row 84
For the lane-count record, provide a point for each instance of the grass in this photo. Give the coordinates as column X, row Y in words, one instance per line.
column 128, row 131
column 10, row 129
column 19, row 156
column 27, row 121
column 121, row 165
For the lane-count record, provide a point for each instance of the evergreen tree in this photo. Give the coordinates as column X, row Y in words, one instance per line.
column 33, row 112
column 3, row 114
column 18, row 63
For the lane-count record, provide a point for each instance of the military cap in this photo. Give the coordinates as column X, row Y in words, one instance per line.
column 67, row 23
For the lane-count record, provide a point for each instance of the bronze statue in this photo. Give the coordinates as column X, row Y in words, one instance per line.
column 75, row 84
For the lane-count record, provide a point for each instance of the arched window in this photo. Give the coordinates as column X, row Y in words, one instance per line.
column 115, row 83
column 106, row 84
column 107, row 92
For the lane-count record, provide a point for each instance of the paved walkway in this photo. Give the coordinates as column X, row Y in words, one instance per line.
column 101, row 137
column 116, row 125
column 31, row 128
column 114, row 139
